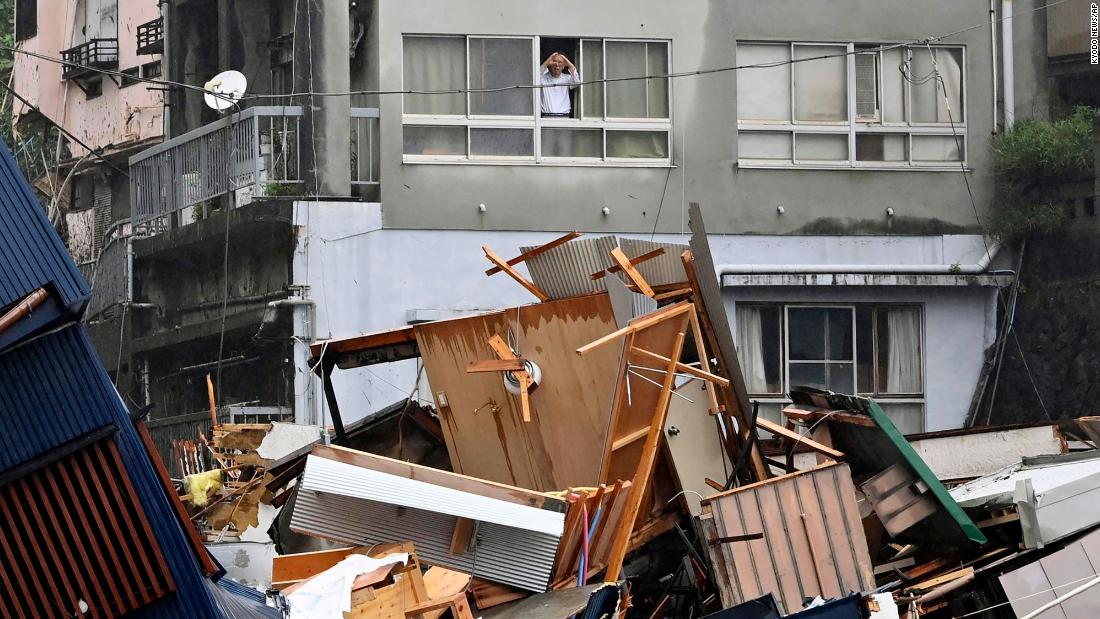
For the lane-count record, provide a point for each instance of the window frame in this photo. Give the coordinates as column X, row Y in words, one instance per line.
column 784, row 349
column 854, row 126
column 535, row 122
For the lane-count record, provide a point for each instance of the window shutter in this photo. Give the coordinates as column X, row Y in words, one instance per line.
column 867, row 108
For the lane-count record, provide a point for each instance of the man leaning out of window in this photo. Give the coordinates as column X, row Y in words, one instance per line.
column 556, row 85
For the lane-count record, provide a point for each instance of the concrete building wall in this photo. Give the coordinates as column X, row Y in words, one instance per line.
column 704, row 126
column 120, row 115
column 365, row 278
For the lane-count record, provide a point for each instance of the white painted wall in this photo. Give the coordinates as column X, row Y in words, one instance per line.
column 364, row 278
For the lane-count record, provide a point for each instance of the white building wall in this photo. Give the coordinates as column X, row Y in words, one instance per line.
column 364, row 279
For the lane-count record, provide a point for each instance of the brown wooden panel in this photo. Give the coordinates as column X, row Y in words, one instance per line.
column 86, row 538
column 570, row 408
column 820, row 546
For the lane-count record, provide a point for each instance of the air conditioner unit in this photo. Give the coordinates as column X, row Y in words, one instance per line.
column 867, row 87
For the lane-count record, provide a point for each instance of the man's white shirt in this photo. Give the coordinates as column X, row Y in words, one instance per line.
column 555, row 100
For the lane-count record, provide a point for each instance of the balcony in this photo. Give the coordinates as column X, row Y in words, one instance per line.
column 258, row 155
column 86, row 57
column 150, row 37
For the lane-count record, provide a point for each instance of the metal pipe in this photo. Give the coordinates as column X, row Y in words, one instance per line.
column 993, row 55
column 1008, row 65
column 918, row 269
column 23, row 308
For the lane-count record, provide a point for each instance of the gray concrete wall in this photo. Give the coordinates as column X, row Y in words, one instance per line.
column 704, row 35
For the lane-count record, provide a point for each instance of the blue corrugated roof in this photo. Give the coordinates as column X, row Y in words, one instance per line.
column 31, row 253
column 52, row 390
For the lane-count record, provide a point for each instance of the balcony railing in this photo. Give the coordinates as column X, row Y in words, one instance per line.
column 150, row 37
column 259, row 154
column 95, row 54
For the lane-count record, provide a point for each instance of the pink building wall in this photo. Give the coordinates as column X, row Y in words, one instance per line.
column 121, row 117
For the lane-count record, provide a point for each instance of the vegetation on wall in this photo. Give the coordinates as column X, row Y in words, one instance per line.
column 1031, row 160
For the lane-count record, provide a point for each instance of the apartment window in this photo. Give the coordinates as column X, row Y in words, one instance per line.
column 26, row 19
column 151, row 70
column 129, row 77
column 850, row 105
column 873, row 350
column 624, row 122
column 93, row 88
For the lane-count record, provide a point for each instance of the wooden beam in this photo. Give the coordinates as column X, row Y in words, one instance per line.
column 779, row 430
column 495, row 365
column 637, row 324
column 358, row 343
column 624, row 263
column 504, row 351
column 514, row 274
column 683, row 367
column 615, row 268
column 541, row 249
column 673, row 294
column 646, row 463
column 810, row 416
column 461, row 536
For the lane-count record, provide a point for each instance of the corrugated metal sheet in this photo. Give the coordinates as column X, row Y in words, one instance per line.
column 566, row 270
column 667, row 268
column 31, row 253
column 110, row 278
column 813, row 542
column 523, row 559
column 53, row 390
column 325, row 475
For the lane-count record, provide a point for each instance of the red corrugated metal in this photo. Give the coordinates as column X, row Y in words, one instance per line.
column 74, row 531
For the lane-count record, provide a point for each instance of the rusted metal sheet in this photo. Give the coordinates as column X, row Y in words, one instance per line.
column 794, row 536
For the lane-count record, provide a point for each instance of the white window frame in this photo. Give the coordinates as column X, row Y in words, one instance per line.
column 853, row 126
column 536, row 122
column 784, row 347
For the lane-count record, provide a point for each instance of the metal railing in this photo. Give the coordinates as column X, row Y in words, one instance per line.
column 95, row 54
column 150, row 37
column 253, row 153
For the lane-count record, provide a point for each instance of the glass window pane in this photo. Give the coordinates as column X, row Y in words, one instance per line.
column 806, row 333
column 764, row 145
column 626, row 99
column 881, row 147
column 820, row 86
column 643, row 144
column 592, row 69
column 840, row 334
column 434, row 63
column 808, row 375
column 572, row 143
column 657, row 89
column 821, row 146
column 865, row 351
column 899, row 350
column 908, row 417
column 929, row 104
column 893, row 86
column 763, row 93
column 436, row 140
column 936, row 148
column 502, row 142
column 758, row 347
column 496, row 63
column 839, row 378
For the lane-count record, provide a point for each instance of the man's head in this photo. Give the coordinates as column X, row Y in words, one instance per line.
column 556, row 64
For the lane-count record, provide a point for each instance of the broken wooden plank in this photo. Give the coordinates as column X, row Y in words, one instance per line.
column 615, row 268
column 531, row 253
column 781, row 431
column 635, row 276
column 514, row 274
column 683, row 367
column 495, row 365
column 462, row 536
column 637, row 325
column 812, row 416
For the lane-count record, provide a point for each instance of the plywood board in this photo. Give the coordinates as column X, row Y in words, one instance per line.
column 482, row 422
column 694, row 443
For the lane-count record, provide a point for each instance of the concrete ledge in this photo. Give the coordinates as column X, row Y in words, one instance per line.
column 863, row 279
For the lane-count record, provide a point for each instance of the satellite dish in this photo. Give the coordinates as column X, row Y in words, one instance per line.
column 229, row 87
